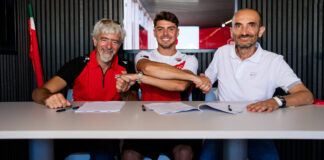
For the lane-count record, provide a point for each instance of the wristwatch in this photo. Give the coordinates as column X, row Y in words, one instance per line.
column 139, row 77
column 280, row 100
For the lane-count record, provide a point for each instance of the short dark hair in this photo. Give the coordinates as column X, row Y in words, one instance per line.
column 168, row 16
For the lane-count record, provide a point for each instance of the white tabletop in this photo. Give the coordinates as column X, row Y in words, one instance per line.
column 28, row 120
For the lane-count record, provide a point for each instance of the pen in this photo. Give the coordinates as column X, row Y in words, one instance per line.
column 229, row 108
column 69, row 107
column 143, row 108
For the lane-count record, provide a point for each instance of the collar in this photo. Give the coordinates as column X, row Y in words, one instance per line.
column 254, row 58
column 93, row 60
column 157, row 52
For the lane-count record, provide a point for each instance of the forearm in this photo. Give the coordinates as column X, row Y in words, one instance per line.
column 169, row 85
column 299, row 98
column 40, row 94
column 165, row 71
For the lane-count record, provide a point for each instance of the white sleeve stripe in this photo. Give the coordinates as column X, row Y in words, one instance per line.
column 293, row 84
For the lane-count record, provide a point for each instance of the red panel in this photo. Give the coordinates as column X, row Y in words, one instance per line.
column 143, row 39
column 213, row 38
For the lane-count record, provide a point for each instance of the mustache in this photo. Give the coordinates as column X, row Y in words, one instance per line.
column 108, row 50
column 245, row 35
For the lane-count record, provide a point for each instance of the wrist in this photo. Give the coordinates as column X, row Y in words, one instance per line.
column 139, row 77
column 281, row 101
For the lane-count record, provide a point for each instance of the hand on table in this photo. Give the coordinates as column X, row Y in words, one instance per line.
column 56, row 100
column 263, row 106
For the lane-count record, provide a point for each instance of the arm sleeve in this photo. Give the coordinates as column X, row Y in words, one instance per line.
column 141, row 55
column 211, row 71
column 284, row 75
column 191, row 64
column 71, row 70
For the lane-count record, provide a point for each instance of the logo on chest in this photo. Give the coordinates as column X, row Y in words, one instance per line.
column 180, row 65
column 252, row 75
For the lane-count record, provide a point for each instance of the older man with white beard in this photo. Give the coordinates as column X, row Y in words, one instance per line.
column 92, row 77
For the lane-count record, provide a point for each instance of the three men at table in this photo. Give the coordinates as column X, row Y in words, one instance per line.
column 245, row 72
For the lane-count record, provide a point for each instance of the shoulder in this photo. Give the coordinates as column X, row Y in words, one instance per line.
column 271, row 56
column 76, row 63
column 72, row 69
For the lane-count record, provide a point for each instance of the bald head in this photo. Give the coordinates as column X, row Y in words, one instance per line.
column 247, row 12
column 246, row 28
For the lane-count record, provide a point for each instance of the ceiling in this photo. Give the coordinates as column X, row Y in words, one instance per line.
column 203, row 13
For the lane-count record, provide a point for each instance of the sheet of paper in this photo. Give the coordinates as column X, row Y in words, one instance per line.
column 228, row 107
column 111, row 106
column 169, row 108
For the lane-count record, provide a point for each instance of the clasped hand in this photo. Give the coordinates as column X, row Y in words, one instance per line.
column 125, row 81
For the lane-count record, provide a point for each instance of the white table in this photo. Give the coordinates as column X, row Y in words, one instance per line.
column 28, row 120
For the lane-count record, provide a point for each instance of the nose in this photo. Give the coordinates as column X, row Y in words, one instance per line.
column 165, row 32
column 109, row 44
column 244, row 30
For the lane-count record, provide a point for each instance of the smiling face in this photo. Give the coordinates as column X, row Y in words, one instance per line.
column 166, row 33
column 246, row 28
column 107, row 46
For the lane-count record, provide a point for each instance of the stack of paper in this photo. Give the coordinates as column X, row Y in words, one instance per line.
column 111, row 106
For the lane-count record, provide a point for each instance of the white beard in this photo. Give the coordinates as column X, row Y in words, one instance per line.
column 106, row 57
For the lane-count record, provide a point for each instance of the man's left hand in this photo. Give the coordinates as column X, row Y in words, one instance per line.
column 263, row 106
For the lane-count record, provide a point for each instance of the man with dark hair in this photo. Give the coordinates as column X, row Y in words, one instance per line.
column 93, row 79
column 164, row 74
column 246, row 72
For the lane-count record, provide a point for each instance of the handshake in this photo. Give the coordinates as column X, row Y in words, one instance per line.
column 125, row 81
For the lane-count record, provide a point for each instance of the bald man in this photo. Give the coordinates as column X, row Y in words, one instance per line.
column 246, row 72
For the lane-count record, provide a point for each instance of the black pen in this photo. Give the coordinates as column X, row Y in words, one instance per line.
column 143, row 108
column 229, row 108
column 68, row 107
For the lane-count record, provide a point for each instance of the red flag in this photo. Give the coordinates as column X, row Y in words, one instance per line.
column 34, row 52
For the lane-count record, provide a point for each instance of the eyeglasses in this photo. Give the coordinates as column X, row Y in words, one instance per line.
column 107, row 21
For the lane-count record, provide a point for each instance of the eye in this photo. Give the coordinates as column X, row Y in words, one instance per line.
column 252, row 24
column 237, row 25
column 115, row 41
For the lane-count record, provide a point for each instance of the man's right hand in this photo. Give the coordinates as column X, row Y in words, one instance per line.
column 56, row 100
column 203, row 83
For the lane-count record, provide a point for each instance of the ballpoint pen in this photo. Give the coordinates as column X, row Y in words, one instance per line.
column 66, row 108
column 143, row 108
column 229, row 108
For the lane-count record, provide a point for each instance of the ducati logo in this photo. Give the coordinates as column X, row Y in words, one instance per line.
column 178, row 59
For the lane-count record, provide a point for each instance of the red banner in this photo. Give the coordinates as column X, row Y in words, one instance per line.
column 34, row 52
column 213, row 38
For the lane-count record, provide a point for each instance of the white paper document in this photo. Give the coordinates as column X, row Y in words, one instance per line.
column 168, row 108
column 176, row 107
column 111, row 106
column 228, row 107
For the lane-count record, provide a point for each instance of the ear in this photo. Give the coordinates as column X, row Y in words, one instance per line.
column 154, row 32
column 231, row 30
column 94, row 41
column 262, row 29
